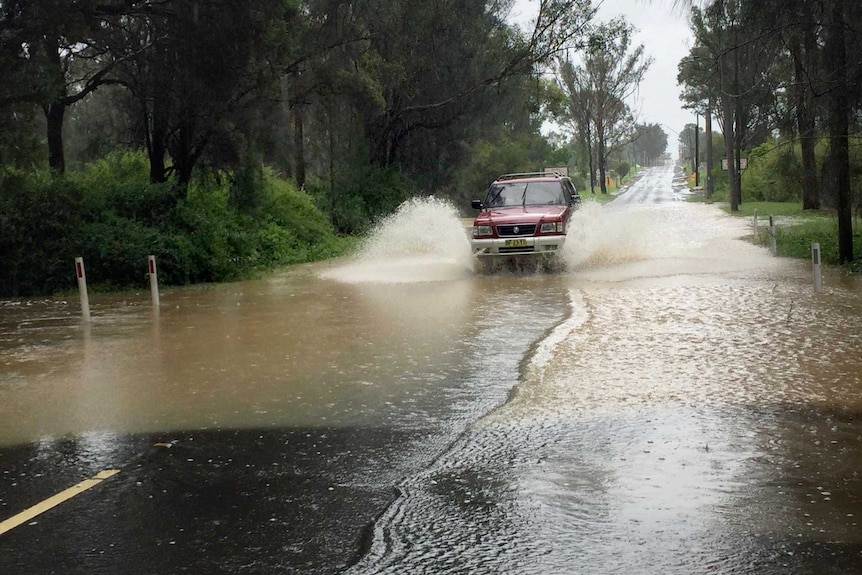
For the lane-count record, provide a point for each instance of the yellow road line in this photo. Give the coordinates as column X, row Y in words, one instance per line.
column 54, row 501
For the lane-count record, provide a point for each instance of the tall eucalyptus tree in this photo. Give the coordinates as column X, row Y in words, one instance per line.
column 598, row 90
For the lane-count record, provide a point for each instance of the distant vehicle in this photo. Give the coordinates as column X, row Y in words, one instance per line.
column 524, row 215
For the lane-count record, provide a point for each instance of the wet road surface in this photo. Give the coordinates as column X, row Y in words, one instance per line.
column 676, row 402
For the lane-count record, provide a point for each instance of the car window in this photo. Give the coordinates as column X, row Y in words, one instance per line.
column 525, row 193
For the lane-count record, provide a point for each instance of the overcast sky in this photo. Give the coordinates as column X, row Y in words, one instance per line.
column 666, row 37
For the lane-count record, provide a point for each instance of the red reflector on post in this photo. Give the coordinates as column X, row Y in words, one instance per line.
column 152, row 266
column 79, row 267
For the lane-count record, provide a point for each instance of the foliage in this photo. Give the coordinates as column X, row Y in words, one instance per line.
column 511, row 153
column 40, row 232
column 794, row 239
column 796, row 229
column 597, row 91
column 649, row 143
column 766, row 209
column 791, row 69
column 623, row 169
column 774, row 174
column 111, row 216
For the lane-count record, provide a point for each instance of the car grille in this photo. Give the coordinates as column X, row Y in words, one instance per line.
column 523, row 230
column 520, row 250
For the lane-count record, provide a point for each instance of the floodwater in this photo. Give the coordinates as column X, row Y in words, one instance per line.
column 676, row 401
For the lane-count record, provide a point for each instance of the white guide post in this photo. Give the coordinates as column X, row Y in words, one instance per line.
column 154, row 280
column 82, row 288
column 815, row 259
column 772, row 245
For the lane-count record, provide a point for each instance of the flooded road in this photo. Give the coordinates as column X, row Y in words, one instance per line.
column 677, row 401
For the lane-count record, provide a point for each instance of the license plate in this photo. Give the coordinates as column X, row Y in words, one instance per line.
column 516, row 243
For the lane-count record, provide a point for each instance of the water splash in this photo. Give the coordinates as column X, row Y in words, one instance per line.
column 425, row 240
column 599, row 237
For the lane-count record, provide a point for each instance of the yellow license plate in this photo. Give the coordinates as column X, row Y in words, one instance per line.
column 516, row 243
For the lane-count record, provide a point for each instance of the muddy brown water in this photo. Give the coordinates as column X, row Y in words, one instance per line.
column 677, row 401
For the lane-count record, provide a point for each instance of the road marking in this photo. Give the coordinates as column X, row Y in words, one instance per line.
column 54, row 501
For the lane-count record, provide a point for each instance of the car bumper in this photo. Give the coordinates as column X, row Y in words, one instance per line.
column 538, row 245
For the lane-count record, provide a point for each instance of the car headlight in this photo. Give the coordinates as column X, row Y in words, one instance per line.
column 479, row 231
column 552, row 227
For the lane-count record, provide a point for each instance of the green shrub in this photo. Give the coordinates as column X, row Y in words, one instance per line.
column 357, row 202
column 774, row 174
column 40, row 232
column 109, row 213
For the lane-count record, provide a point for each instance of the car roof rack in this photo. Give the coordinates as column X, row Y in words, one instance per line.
column 531, row 175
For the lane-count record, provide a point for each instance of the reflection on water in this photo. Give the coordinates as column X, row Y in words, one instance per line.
column 290, row 350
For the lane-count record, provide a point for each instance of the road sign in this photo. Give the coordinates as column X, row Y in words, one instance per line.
column 743, row 163
column 563, row 170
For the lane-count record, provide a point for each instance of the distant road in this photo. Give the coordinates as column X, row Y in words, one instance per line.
column 655, row 186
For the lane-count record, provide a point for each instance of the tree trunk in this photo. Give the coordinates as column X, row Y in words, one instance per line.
column 603, row 169
column 839, row 123
column 155, row 124
column 183, row 156
column 591, row 161
column 727, row 108
column 600, row 156
column 298, row 147
column 54, row 114
column 804, row 48
column 737, row 160
column 710, row 185
column 696, row 149
column 55, row 109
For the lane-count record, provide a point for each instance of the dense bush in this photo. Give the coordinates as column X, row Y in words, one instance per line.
column 109, row 214
column 40, row 232
column 363, row 198
column 774, row 174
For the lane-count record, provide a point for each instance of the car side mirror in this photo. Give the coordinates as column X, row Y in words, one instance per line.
column 477, row 204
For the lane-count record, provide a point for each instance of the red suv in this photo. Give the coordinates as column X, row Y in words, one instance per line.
column 524, row 214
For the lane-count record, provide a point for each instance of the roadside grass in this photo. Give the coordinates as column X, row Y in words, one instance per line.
column 766, row 209
column 598, row 196
column 613, row 188
column 796, row 229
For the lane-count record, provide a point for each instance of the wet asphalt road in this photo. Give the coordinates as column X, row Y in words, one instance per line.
column 252, row 501
column 273, row 499
column 666, row 407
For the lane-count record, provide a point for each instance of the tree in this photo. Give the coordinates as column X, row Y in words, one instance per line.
column 731, row 67
column 797, row 23
column 578, row 89
column 190, row 65
column 599, row 89
column 60, row 51
column 838, row 84
column 649, row 143
column 466, row 48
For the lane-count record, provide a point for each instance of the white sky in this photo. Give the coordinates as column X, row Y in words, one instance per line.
column 665, row 34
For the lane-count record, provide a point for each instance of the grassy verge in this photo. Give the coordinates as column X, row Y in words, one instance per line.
column 601, row 198
column 796, row 229
column 223, row 227
column 598, row 196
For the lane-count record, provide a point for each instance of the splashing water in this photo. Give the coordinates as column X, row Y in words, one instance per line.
column 600, row 237
column 423, row 241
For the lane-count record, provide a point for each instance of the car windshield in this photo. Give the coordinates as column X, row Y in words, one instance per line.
column 525, row 194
